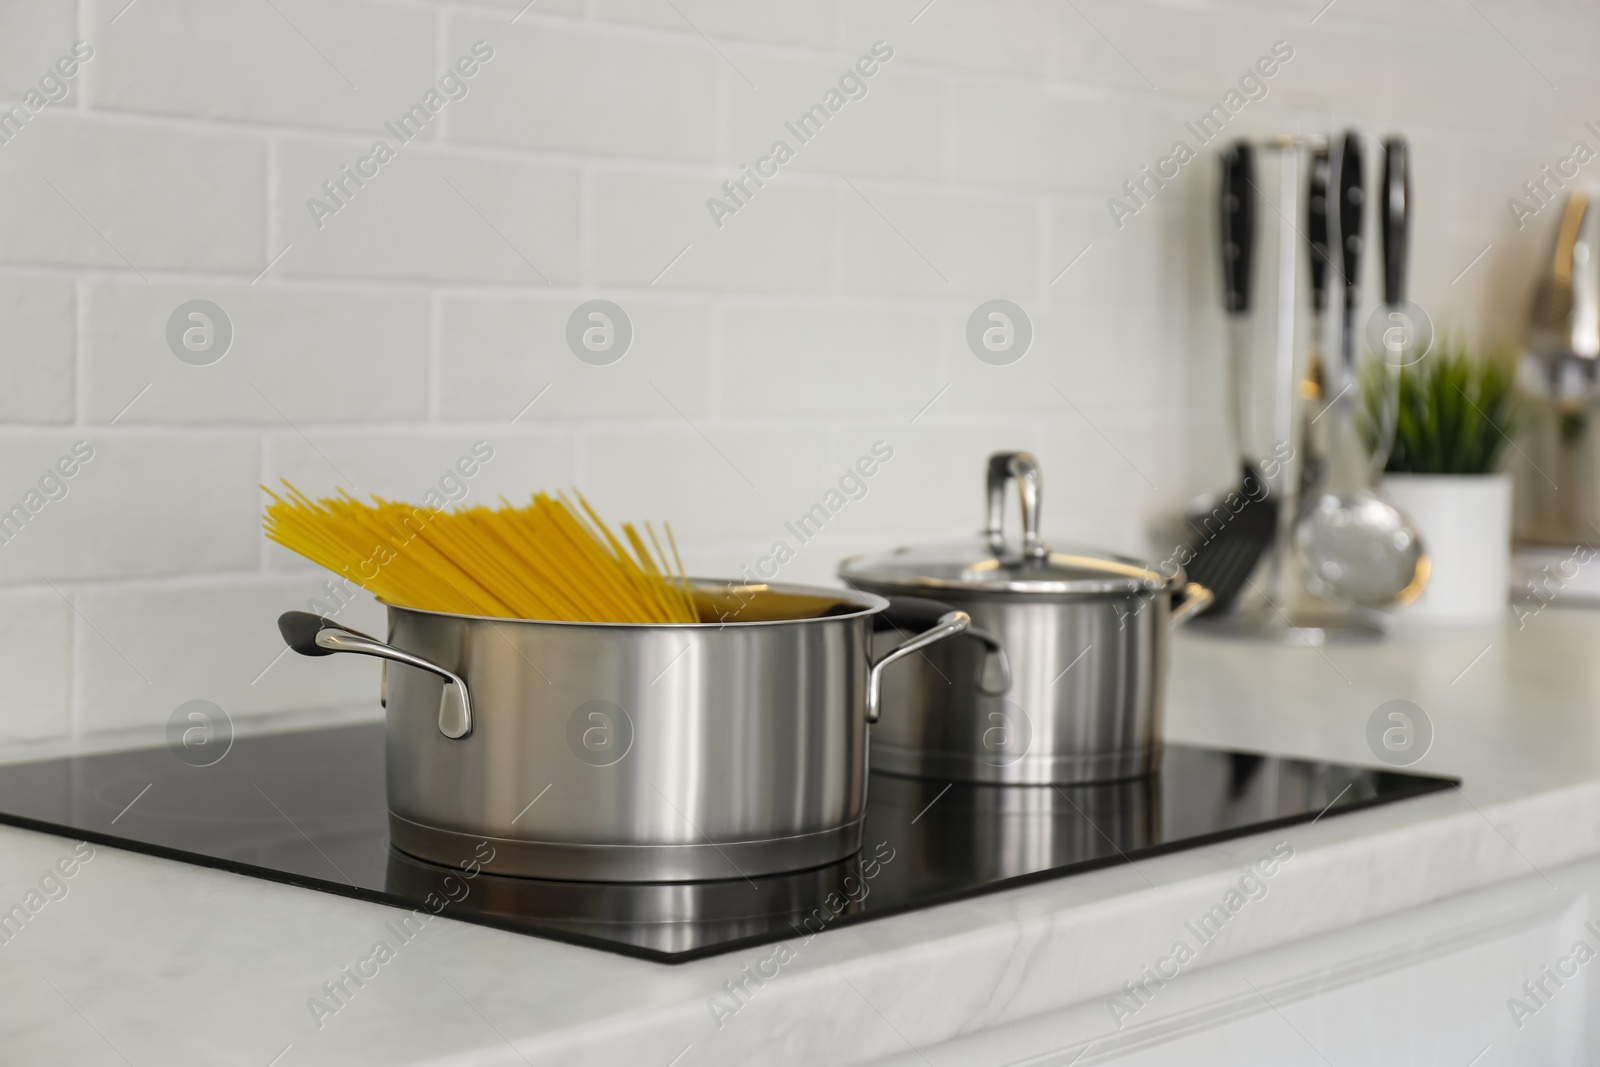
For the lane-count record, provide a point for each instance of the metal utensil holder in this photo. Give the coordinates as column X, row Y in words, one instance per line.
column 1283, row 609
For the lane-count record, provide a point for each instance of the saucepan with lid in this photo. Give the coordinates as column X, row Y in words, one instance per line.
column 1085, row 633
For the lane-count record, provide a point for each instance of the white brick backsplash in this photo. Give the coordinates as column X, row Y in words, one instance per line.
column 250, row 62
column 33, row 35
column 427, row 215
column 154, row 503
column 961, row 32
column 526, row 13
column 800, row 360
column 728, row 483
column 497, row 355
column 1489, row 287
column 161, row 197
column 1008, row 133
column 1095, row 356
column 301, row 354
column 800, row 22
column 937, row 244
column 586, row 90
column 892, row 131
column 1090, row 260
column 826, row 312
column 35, row 664
column 144, row 651
column 1180, row 49
column 1084, row 56
column 36, row 344
column 780, row 241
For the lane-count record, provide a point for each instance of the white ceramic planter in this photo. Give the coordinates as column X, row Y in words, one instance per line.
column 1465, row 522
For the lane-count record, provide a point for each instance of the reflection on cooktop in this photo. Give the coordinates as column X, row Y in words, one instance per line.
column 307, row 808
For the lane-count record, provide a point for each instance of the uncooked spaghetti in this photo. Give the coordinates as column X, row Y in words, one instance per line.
column 549, row 559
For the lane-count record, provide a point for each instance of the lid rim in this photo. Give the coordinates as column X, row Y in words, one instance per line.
column 883, row 571
column 1021, row 589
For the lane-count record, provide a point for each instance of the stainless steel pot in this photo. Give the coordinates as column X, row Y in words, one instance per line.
column 625, row 752
column 1086, row 635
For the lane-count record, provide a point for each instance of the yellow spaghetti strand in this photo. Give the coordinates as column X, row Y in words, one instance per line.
column 548, row 559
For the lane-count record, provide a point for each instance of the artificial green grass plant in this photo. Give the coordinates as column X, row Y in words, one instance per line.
column 1457, row 410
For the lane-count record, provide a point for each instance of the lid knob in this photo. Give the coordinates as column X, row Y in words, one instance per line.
column 1022, row 468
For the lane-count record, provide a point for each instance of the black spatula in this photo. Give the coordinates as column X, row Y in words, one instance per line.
column 1230, row 538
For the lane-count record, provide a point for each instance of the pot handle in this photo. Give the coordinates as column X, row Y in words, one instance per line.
column 316, row 635
column 1196, row 598
column 919, row 613
column 936, row 621
column 1022, row 468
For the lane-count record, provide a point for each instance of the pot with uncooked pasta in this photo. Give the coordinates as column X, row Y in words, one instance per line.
column 570, row 696
column 635, row 752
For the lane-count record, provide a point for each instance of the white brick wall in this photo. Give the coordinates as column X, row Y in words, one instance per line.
column 429, row 311
column 36, row 361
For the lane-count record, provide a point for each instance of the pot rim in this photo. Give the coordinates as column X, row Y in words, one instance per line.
column 868, row 603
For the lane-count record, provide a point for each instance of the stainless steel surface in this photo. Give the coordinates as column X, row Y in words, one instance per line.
column 1085, row 702
column 1357, row 547
column 1196, row 598
column 1086, row 636
column 1284, row 482
column 1565, row 317
column 626, row 752
column 1556, row 478
column 455, row 707
column 1022, row 468
column 949, row 625
column 987, row 564
column 1557, row 471
column 968, row 566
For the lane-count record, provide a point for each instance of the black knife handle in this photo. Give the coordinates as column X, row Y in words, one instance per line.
column 1317, row 228
column 1396, row 218
column 1350, row 205
column 1238, row 225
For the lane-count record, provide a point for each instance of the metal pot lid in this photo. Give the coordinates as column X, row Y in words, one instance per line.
column 973, row 565
column 987, row 564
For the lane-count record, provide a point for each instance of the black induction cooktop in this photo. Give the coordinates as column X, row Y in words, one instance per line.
column 307, row 808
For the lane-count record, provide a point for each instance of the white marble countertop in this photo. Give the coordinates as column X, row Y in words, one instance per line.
column 146, row 961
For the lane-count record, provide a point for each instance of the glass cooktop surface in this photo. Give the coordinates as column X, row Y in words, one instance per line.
column 307, row 808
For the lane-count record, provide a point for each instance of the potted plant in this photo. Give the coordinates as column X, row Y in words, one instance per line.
column 1456, row 413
